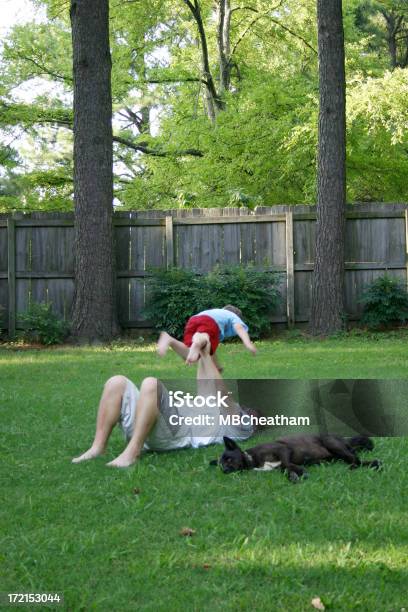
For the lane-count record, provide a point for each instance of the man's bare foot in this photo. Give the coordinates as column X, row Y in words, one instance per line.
column 124, row 460
column 201, row 342
column 89, row 454
column 163, row 343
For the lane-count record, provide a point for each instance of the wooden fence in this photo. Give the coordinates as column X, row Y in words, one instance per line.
column 37, row 254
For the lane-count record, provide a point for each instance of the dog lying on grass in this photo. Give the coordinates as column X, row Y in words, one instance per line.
column 291, row 453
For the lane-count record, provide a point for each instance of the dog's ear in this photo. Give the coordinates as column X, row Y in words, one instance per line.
column 214, row 462
column 230, row 444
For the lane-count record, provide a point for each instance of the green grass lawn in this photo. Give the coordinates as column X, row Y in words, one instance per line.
column 260, row 542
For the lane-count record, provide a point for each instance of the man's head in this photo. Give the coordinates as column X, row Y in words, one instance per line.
column 233, row 309
column 233, row 458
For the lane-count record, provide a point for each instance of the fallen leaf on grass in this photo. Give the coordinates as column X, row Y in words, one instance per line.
column 206, row 566
column 317, row 603
column 187, row 531
column 136, row 491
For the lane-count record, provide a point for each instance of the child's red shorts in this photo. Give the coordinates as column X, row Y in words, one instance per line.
column 205, row 325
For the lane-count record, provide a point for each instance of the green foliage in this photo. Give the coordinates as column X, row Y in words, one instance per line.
column 175, row 295
column 260, row 150
column 43, row 325
column 385, row 302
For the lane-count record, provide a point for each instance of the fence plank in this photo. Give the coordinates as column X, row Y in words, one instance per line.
column 406, row 245
column 60, row 293
column 290, row 281
column 11, row 249
column 247, row 238
column 215, row 242
column 169, row 242
column 3, row 250
column 232, row 238
column 183, row 241
column 131, row 290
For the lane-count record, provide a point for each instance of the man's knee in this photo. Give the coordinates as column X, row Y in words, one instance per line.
column 149, row 385
column 116, row 383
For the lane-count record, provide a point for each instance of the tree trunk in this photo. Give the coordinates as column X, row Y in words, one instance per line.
column 223, row 44
column 393, row 24
column 328, row 278
column 392, row 42
column 94, row 311
column 212, row 101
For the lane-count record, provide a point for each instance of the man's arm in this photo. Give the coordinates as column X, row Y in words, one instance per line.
column 246, row 340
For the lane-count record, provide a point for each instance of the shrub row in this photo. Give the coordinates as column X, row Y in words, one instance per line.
column 175, row 295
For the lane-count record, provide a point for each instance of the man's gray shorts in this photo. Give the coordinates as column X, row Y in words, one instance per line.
column 164, row 435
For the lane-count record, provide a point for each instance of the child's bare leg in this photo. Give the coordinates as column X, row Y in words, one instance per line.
column 147, row 412
column 200, row 341
column 166, row 341
column 108, row 416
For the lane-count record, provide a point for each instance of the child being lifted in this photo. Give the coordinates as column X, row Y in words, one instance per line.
column 207, row 327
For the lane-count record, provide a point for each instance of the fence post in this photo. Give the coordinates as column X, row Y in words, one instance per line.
column 406, row 243
column 169, row 243
column 11, row 275
column 290, row 280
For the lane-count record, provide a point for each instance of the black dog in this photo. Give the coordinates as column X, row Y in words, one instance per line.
column 288, row 454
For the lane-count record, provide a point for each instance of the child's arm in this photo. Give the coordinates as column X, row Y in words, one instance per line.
column 243, row 334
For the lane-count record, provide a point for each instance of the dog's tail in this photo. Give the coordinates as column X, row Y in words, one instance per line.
column 361, row 443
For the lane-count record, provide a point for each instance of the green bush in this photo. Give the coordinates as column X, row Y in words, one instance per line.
column 172, row 297
column 385, row 302
column 175, row 295
column 44, row 326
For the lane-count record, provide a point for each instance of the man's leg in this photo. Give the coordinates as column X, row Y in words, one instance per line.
column 217, row 363
column 166, row 341
column 147, row 412
column 108, row 416
column 210, row 381
column 207, row 365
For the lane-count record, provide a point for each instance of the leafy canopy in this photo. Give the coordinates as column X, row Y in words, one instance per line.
column 260, row 145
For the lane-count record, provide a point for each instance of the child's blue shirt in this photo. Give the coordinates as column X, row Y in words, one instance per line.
column 225, row 320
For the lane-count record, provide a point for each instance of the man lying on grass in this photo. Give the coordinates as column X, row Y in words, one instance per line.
column 145, row 416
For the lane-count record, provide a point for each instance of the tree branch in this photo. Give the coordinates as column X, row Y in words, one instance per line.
column 176, row 80
column 45, row 70
column 293, row 34
column 144, row 148
column 246, row 8
column 275, row 21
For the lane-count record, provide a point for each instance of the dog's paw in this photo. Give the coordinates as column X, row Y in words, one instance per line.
column 293, row 477
column 376, row 464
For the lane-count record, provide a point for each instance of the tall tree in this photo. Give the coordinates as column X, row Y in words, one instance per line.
column 386, row 22
column 94, row 312
column 328, row 278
